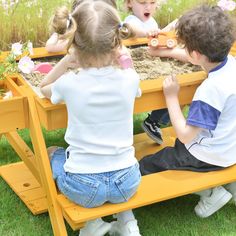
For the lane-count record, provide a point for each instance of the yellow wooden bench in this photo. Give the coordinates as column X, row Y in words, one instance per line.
column 32, row 179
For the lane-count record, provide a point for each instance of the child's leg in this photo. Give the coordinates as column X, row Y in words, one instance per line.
column 174, row 158
column 161, row 115
column 151, row 125
column 125, row 216
column 124, row 184
column 179, row 158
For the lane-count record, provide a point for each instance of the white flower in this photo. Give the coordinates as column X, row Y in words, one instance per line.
column 26, row 65
column 226, row 5
column 16, row 49
column 8, row 95
column 30, row 48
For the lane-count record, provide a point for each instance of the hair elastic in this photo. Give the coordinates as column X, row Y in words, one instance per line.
column 120, row 25
column 68, row 21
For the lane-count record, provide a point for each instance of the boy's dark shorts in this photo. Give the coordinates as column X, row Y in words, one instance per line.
column 174, row 158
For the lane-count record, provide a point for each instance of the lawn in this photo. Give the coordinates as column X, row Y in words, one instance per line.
column 170, row 218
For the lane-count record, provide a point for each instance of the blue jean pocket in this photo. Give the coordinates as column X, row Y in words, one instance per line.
column 128, row 183
column 79, row 188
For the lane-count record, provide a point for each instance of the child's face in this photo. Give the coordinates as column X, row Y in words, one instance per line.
column 143, row 9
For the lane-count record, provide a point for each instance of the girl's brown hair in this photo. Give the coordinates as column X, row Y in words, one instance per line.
column 95, row 30
column 78, row 2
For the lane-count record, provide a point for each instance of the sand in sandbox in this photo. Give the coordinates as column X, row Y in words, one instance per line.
column 147, row 67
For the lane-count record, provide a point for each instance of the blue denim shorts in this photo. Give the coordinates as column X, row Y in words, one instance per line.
column 92, row 190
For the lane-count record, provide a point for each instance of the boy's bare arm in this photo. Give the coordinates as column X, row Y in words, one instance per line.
column 184, row 132
column 170, row 26
column 176, row 53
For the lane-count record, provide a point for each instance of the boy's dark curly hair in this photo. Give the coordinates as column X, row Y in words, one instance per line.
column 208, row 30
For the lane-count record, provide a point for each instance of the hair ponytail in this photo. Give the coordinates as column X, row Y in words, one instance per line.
column 64, row 24
column 125, row 31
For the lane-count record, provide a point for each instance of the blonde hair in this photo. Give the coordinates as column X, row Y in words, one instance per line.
column 58, row 22
column 95, row 30
column 129, row 9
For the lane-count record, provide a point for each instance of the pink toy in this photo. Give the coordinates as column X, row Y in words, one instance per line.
column 125, row 61
column 43, row 68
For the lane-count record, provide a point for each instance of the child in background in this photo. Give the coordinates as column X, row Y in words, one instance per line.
column 59, row 25
column 206, row 140
column 99, row 165
column 144, row 25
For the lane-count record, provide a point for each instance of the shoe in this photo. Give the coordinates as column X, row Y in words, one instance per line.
column 125, row 229
column 96, row 227
column 152, row 129
column 232, row 189
column 209, row 205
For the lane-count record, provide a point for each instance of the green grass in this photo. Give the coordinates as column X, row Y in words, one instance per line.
column 170, row 218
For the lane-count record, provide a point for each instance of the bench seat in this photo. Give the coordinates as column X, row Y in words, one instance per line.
column 153, row 188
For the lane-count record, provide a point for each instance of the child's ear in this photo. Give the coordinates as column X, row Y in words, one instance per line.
column 196, row 55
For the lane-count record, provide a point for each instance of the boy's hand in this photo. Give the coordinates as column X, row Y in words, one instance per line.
column 160, row 52
column 170, row 86
column 152, row 33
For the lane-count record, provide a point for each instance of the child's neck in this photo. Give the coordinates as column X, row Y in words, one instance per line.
column 210, row 66
column 103, row 61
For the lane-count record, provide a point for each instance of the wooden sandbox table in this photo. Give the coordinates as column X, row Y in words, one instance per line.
column 30, row 178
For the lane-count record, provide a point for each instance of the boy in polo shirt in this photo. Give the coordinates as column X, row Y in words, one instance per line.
column 206, row 140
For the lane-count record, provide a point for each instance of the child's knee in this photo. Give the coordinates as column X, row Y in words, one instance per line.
column 51, row 150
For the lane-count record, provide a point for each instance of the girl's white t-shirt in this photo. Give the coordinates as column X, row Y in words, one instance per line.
column 100, row 106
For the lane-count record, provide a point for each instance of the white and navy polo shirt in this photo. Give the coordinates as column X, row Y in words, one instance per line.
column 214, row 110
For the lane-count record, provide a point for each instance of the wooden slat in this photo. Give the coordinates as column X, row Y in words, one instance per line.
column 42, row 52
column 145, row 146
column 153, row 188
column 24, row 184
column 233, row 50
column 55, row 116
column 23, row 151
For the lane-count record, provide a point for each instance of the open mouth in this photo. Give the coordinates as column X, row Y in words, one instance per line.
column 146, row 14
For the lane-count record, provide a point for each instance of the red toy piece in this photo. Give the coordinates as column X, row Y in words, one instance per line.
column 43, row 68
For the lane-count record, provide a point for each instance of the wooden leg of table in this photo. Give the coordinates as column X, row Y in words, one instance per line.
column 42, row 160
